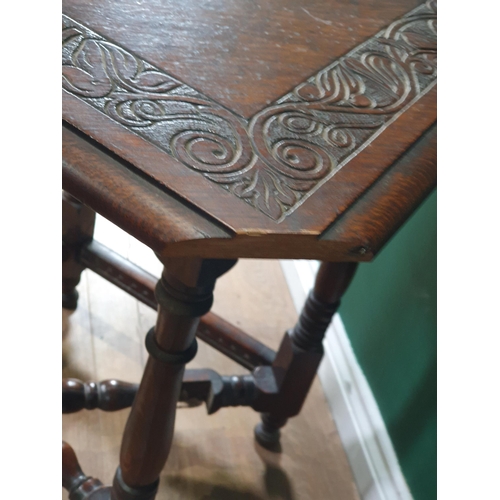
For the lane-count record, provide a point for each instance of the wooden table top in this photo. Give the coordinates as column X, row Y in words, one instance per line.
column 237, row 128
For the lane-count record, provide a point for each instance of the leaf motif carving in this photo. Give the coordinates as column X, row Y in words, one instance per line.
column 279, row 157
column 154, row 81
column 88, row 75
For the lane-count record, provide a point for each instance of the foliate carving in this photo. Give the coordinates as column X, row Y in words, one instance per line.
column 278, row 158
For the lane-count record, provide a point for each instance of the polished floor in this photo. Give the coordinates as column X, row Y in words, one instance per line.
column 213, row 457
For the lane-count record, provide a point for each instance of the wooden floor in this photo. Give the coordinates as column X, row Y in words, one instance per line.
column 213, row 457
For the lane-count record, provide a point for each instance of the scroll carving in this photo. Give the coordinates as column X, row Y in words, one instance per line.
column 279, row 157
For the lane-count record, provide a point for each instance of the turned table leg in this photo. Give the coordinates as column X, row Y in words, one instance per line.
column 77, row 229
column 79, row 485
column 184, row 293
column 301, row 350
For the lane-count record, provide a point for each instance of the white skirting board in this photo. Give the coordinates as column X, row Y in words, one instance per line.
column 362, row 431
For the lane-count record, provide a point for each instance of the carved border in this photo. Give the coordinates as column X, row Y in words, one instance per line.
column 285, row 152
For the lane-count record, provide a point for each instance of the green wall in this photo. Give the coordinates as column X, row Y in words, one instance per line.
column 389, row 313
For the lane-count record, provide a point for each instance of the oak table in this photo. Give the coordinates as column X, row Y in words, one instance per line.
column 224, row 129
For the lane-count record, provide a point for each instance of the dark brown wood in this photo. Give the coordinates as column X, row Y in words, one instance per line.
column 198, row 386
column 104, row 182
column 389, row 202
column 72, row 474
column 108, row 395
column 170, row 228
column 276, row 46
column 284, row 386
column 332, row 280
column 77, row 230
column 274, row 183
column 213, row 330
column 312, row 137
column 185, row 293
column 217, row 391
column 79, row 485
column 78, row 395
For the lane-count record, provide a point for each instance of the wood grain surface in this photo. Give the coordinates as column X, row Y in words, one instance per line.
column 213, row 457
column 212, row 45
column 346, row 104
column 172, row 227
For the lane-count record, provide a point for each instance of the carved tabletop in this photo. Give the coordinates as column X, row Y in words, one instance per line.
column 237, row 128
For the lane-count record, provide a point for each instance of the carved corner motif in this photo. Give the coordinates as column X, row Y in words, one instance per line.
column 278, row 158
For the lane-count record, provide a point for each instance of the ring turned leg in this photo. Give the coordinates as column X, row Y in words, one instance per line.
column 184, row 293
column 301, row 350
column 77, row 230
column 79, row 485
